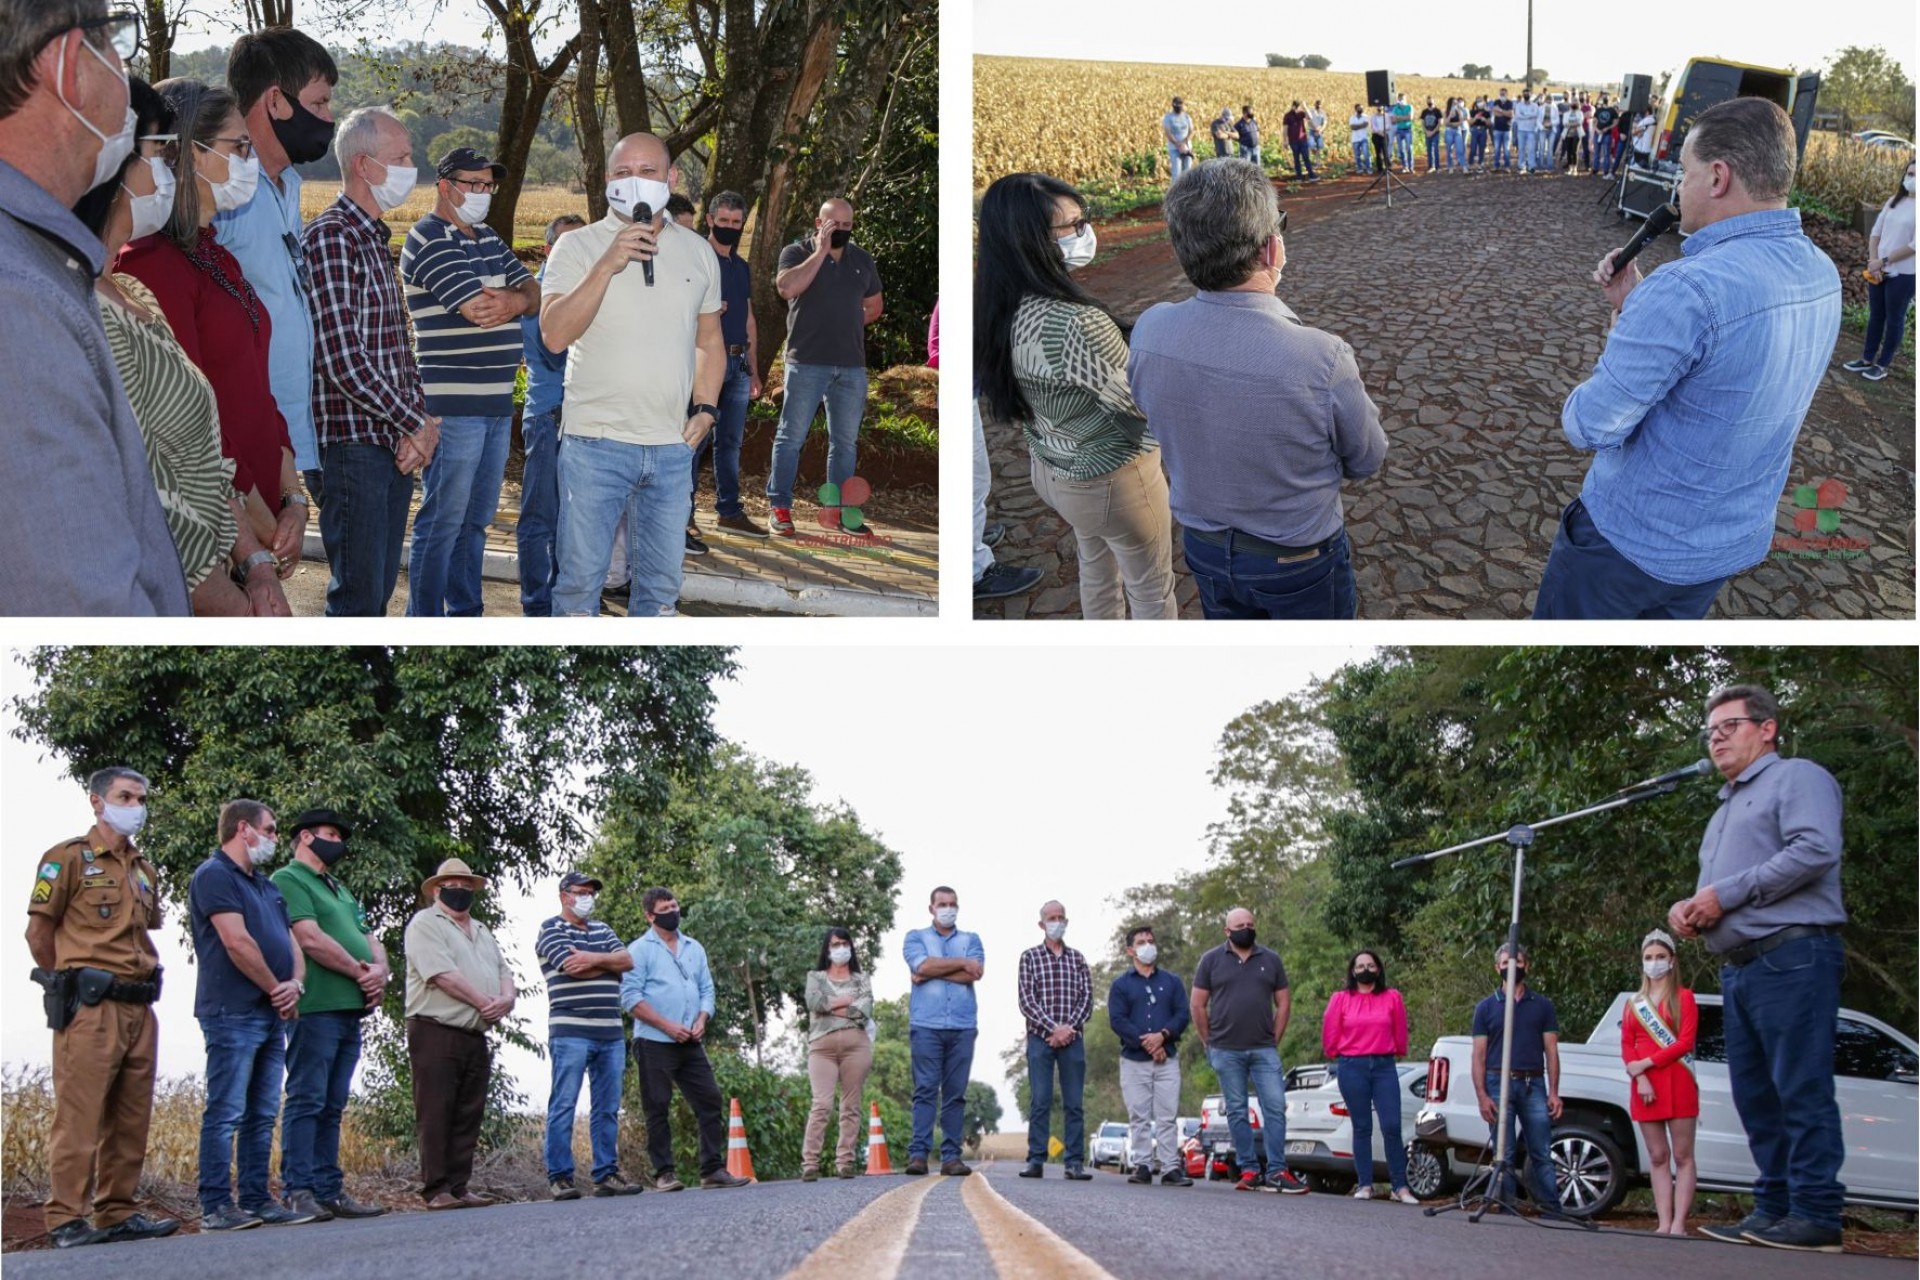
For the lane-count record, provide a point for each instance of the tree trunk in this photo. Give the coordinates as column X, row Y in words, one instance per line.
column 158, row 37
column 586, row 112
column 523, row 101
column 623, row 68
column 838, row 153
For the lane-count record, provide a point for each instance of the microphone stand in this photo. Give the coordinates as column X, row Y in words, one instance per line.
column 1495, row 1185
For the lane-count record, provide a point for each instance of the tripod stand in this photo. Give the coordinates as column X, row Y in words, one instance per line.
column 1494, row 1186
column 1391, row 179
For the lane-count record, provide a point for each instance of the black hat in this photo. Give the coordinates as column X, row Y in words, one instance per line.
column 318, row 818
column 576, row 880
column 467, row 158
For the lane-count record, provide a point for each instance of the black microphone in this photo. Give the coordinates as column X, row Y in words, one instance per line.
column 643, row 212
column 1698, row 769
column 1658, row 223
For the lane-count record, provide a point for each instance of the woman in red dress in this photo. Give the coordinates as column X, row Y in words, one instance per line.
column 1656, row 1039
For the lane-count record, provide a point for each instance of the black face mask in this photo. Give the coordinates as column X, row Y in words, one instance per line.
column 328, row 851
column 839, row 238
column 1242, row 938
column 456, row 899
column 668, row 920
column 1519, row 973
column 728, row 236
column 305, row 137
column 1366, row 977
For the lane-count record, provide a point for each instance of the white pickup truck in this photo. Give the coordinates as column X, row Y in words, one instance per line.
column 1598, row 1154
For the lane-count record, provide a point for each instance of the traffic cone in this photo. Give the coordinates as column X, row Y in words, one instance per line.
column 877, row 1160
column 739, row 1159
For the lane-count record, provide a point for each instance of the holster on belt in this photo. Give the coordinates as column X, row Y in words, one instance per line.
column 60, row 998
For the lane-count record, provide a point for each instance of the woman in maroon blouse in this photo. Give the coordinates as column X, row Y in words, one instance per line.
column 219, row 320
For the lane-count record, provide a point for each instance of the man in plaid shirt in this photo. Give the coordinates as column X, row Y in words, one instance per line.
column 1056, row 998
column 369, row 408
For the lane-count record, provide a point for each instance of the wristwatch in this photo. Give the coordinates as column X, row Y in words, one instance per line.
column 712, row 411
column 251, row 563
column 294, row 499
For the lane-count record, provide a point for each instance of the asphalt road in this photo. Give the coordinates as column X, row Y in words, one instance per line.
column 993, row 1226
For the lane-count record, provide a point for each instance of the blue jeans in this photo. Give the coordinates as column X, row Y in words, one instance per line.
column 1528, row 1108
column 322, row 1052
column 459, row 493
column 600, row 479
column 1780, row 1011
column 1042, row 1058
column 1528, row 146
column 1887, row 304
column 942, row 1061
column 1403, row 147
column 1433, row 152
column 604, row 1062
column 723, row 442
column 1301, row 157
column 1501, row 160
column 844, row 389
column 246, row 1058
column 1240, row 584
column 363, row 524
column 1249, row 154
column 1177, row 164
column 539, row 512
column 1477, row 148
column 1587, row 578
column 1456, row 149
column 1370, row 1083
column 1260, row 1068
column 1360, row 162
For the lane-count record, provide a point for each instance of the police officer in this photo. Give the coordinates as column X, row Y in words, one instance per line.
column 94, row 900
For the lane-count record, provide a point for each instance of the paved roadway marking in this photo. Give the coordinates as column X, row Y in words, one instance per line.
column 873, row 1242
column 1019, row 1244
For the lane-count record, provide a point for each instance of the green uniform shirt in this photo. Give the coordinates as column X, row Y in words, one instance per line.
column 326, row 902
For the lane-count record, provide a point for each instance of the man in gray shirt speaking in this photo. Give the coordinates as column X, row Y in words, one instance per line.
column 1768, row 904
column 1259, row 416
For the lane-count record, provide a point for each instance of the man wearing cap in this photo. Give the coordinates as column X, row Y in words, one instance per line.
column 458, row 985
column 581, row 959
column 347, row 975
column 1768, row 904
column 464, row 287
column 249, row 988
column 95, row 900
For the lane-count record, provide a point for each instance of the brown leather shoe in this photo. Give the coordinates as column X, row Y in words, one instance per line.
column 446, row 1200
column 473, row 1201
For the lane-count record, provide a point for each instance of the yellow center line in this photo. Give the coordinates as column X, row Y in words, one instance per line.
column 873, row 1243
column 1020, row 1246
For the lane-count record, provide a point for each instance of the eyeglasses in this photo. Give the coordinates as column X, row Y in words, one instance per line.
column 168, row 144
column 1078, row 226
column 1714, row 732
column 299, row 256
column 479, row 186
column 1283, row 222
column 122, row 29
column 242, row 147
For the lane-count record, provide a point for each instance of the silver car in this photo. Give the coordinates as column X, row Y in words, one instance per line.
column 1109, row 1145
column 1320, row 1137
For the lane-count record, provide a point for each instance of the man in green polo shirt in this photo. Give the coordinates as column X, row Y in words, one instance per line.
column 347, row 975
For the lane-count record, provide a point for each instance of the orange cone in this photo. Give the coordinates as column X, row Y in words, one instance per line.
column 877, row 1160
column 739, row 1159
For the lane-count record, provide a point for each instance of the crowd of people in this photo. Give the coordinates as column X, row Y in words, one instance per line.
column 204, row 372
column 1229, row 413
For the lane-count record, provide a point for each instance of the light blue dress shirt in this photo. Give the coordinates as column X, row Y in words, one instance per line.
column 1693, row 408
column 675, row 985
column 256, row 233
column 937, row 1004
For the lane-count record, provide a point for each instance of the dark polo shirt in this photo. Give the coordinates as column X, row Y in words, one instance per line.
column 1240, row 999
column 825, row 324
column 1533, row 1018
column 218, row 886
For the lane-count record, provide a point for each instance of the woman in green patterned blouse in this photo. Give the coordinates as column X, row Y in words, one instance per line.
column 230, row 573
column 839, row 1050
column 1054, row 360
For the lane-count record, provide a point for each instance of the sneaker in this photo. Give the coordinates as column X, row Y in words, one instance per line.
column 1286, row 1183
column 1249, row 1181
column 345, row 1206
column 848, row 1171
column 665, row 1181
column 563, row 1189
column 1034, row 1169
column 615, row 1185
column 1078, row 1173
column 916, row 1167
column 75, row 1232
column 781, row 522
column 1001, row 580
column 1141, row 1175
column 1797, row 1233
column 742, row 524
column 864, row 531
column 1874, row 374
column 994, row 533
column 722, row 1180
column 302, row 1202
column 228, row 1217
column 695, row 547
column 1363, row 1193
column 279, row 1215
column 1857, row 366
column 1405, row 1196
column 1175, row 1177
column 809, row 1175
column 959, row 1169
column 140, row 1227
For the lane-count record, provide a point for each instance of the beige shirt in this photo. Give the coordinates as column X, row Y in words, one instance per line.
column 630, row 374
column 436, row 944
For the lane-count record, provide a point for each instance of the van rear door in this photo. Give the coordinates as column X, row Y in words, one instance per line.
column 1702, row 85
column 1806, row 91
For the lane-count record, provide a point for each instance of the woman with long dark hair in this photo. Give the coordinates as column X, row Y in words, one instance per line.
column 1051, row 358
column 839, row 1049
column 1889, row 282
column 1364, row 1034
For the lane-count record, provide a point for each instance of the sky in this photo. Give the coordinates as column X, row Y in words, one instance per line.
column 1581, row 43
column 1015, row 775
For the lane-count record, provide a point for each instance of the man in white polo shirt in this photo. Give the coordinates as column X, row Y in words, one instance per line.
column 646, row 364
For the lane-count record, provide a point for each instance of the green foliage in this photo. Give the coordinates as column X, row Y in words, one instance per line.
column 1807, row 202
column 1140, row 164
column 1477, row 71
column 1866, row 85
column 1316, row 62
column 1281, row 60
column 982, row 1112
column 899, row 207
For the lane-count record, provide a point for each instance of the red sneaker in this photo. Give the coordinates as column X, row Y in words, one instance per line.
column 781, row 522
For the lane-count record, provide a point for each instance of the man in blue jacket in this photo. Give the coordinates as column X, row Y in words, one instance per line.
column 1147, row 1007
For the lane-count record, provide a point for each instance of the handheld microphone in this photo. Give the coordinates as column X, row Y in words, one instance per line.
column 643, row 212
column 1698, row 769
column 1658, row 223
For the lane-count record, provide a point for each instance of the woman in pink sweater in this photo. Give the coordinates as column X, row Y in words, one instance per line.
column 1364, row 1034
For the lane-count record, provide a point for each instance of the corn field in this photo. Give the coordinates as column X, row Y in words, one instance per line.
column 1089, row 122
column 1843, row 174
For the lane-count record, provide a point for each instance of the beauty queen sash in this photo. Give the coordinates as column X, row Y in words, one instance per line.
column 1650, row 1020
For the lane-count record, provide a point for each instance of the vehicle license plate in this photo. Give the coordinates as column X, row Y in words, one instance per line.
column 1302, row 1148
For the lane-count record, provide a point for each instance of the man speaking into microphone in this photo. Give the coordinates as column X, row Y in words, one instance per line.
column 635, row 297
column 1694, row 406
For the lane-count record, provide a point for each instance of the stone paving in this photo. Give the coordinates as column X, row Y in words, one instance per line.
column 1472, row 315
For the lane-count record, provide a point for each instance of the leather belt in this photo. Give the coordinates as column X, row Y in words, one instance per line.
column 1259, row 546
column 736, row 350
column 1748, row 952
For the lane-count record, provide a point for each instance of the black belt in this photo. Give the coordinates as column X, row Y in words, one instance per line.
column 1748, row 952
column 1518, row 1074
column 736, row 351
column 1259, row 546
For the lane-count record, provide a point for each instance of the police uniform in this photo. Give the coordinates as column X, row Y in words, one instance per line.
column 102, row 905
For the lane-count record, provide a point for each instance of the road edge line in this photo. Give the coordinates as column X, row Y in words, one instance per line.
column 873, row 1243
column 1019, row 1244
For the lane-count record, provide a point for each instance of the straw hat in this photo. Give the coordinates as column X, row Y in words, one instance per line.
column 450, row 869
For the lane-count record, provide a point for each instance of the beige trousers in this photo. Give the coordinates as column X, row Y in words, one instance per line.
column 844, row 1058
column 1123, row 529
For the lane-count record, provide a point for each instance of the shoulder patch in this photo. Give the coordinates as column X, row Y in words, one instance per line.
column 49, row 871
column 42, row 891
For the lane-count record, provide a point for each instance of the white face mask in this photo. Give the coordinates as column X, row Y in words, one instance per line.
column 150, row 212
column 1056, row 930
column 627, row 194
column 1146, row 953
column 127, row 819
column 1078, row 249
column 392, row 191
column 261, row 851
column 114, row 150
column 1656, row 969
column 472, row 207
column 945, row 916
column 583, row 906
column 840, row 955
column 243, row 175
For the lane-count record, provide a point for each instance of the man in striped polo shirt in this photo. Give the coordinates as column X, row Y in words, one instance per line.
column 582, row 960
column 464, row 289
